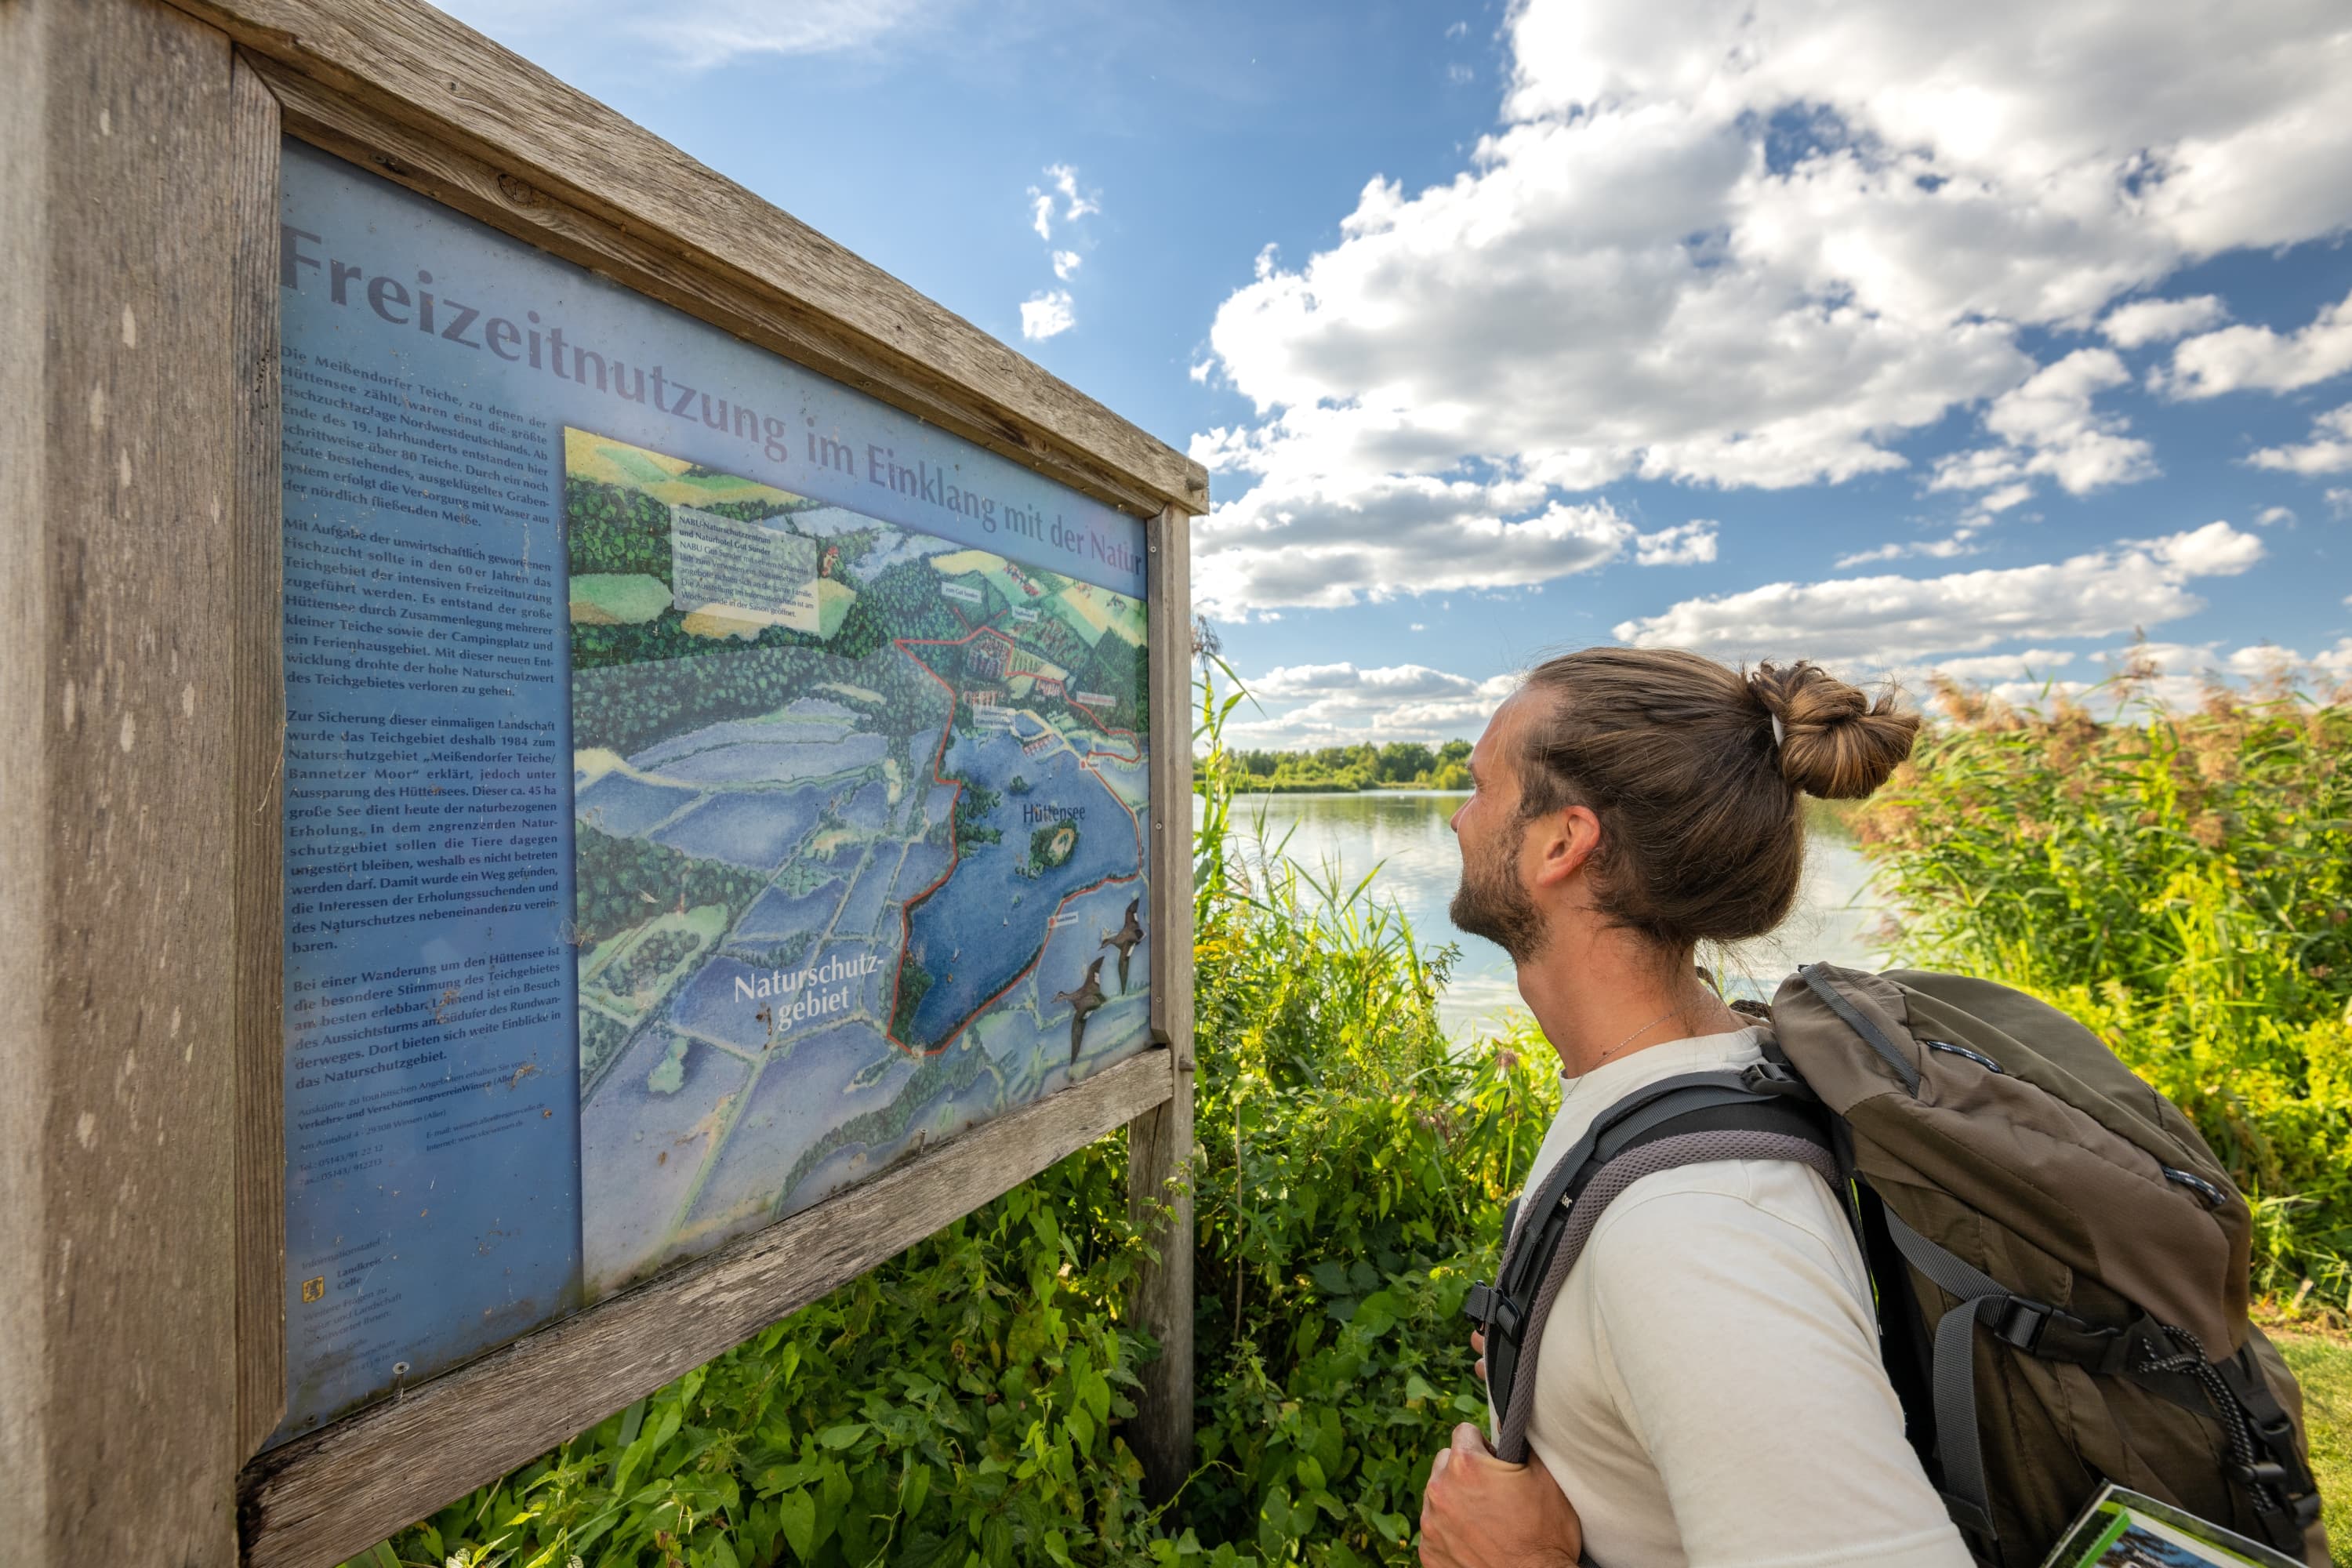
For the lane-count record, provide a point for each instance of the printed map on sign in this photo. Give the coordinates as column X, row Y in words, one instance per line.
column 859, row 845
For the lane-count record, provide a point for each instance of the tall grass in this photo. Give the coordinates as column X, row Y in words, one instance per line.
column 2179, row 881
column 965, row 1404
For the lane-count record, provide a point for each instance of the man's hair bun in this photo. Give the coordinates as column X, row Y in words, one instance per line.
column 1835, row 742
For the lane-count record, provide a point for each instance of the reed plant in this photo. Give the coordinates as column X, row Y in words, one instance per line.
column 2180, row 881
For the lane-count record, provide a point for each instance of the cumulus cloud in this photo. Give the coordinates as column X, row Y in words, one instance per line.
column 2033, row 662
column 1047, row 314
column 2272, row 516
column 2258, row 359
column 1335, row 704
column 2048, row 427
column 1895, row 620
column 1328, row 543
column 1684, row 544
column 2145, row 321
column 1052, row 311
column 2329, row 451
column 1960, row 541
column 1761, row 245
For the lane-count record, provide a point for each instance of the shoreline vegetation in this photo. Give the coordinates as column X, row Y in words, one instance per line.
column 2179, row 880
column 1338, row 770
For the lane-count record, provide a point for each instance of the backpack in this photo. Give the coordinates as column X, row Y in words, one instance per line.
column 2058, row 1261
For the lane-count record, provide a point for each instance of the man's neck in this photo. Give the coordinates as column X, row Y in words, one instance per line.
column 1601, row 996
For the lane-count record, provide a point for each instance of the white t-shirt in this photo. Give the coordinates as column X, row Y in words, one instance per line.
column 1708, row 1392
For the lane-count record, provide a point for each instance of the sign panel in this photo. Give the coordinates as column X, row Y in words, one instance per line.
column 705, row 785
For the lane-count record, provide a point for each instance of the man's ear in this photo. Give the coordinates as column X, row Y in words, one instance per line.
column 1564, row 841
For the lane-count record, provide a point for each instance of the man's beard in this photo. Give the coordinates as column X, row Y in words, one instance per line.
column 1491, row 903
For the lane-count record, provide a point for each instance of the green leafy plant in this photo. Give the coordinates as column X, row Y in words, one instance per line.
column 2181, row 883
column 965, row 1404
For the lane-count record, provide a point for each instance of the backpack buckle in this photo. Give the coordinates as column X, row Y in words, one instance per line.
column 1478, row 1303
column 2020, row 1322
column 1771, row 1078
column 1492, row 1310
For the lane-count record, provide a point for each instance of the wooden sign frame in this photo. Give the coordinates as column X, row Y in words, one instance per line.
column 141, row 1146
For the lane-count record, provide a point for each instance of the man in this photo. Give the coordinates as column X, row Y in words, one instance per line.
column 1708, row 1390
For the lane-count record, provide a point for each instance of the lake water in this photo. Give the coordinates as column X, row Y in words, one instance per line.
column 1403, row 833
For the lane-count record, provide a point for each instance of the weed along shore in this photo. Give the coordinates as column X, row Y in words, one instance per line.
column 970, row 1399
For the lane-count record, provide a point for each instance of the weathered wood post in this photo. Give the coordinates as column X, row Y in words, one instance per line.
column 520, row 659
column 1159, row 1142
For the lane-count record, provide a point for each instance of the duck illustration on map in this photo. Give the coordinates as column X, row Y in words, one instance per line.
column 1083, row 1001
column 1124, row 939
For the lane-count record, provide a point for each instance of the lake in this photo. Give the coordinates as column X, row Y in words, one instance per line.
column 1403, row 833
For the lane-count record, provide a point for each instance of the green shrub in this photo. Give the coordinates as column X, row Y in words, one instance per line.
column 2181, row 883
column 963, row 1403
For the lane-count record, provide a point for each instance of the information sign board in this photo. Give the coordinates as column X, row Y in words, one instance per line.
column 704, row 786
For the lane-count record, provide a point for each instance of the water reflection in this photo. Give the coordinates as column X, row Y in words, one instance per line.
column 1404, row 834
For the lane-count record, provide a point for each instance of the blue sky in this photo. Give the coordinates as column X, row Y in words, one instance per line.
column 1903, row 340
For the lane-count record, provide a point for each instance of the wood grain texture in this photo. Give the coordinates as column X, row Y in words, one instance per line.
column 1168, row 663
column 259, row 743
column 1159, row 1144
column 318, row 1500
column 415, row 65
column 120, row 1402
column 382, row 145
column 25, row 717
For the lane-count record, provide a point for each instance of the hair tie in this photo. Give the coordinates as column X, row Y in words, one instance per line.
column 1778, row 734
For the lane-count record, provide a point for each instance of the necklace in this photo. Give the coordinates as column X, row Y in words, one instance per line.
column 1634, row 1036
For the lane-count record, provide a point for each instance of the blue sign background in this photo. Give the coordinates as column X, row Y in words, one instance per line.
column 432, row 367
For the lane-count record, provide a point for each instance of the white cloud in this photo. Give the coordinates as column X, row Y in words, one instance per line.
column 1684, row 544
column 1061, row 180
column 2340, row 502
column 1047, row 315
column 1757, row 244
column 2272, row 516
column 1066, row 262
column 1416, row 626
column 1957, row 543
column 2048, row 427
column 2145, row 321
column 2030, row 664
column 2329, row 451
column 1895, row 620
column 1336, row 704
column 698, row 34
column 1324, row 543
column 2256, row 358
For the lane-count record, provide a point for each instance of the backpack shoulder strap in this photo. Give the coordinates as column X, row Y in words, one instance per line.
column 1757, row 1115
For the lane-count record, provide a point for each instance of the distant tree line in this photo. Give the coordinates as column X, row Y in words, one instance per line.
column 1400, row 764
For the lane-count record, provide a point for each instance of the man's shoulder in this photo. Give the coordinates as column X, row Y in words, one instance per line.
column 1756, row 1206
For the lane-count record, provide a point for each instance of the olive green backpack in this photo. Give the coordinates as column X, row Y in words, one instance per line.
column 2060, row 1263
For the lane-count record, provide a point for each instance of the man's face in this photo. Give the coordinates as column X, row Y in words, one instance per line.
column 1493, row 899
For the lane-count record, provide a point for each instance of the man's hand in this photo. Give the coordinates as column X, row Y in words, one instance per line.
column 1479, row 1512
